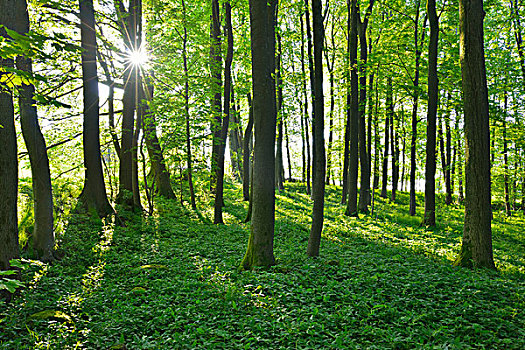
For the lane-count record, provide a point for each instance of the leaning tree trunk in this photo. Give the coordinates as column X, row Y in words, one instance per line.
column 314, row 240
column 43, row 235
column 430, row 164
column 260, row 244
column 476, row 246
column 93, row 195
column 9, row 248
column 219, row 189
column 158, row 165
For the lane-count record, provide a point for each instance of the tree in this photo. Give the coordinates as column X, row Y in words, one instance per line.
column 43, row 234
column 219, row 189
column 93, row 195
column 476, row 246
column 8, row 154
column 430, row 164
column 246, row 161
column 260, row 244
column 216, row 83
column 320, row 157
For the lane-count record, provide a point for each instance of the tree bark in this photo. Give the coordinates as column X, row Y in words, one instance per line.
column 314, row 240
column 260, row 244
column 384, row 181
column 246, row 152
column 476, row 247
column 93, row 196
column 216, row 83
column 219, row 190
column 279, row 166
column 305, row 113
column 353, row 111
column 43, row 235
column 9, row 248
column 429, row 218
column 158, row 165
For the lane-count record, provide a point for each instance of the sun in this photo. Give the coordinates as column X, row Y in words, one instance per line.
column 138, row 58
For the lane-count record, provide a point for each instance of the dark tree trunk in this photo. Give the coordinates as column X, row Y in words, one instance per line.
column 476, row 247
column 189, row 161
column 429, row 218
column 9, row 248
column 330, row 62
column 353, row 111
column 413, row 141
column 216, row 84
column 43, row 235
column 260, row 244
column 93, row 195
column 364, row 158
column 135, row 146
column 377, row 143
column 384, row 182
column 235, row 139
column 246, row 153
column 129, row 31
column 312, row 78
column 219, row 190
column 314, row 240
column 395, row 155
column 305, row 113
column 158, row 165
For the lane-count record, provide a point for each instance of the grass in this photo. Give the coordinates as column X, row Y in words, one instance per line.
column 169, row 281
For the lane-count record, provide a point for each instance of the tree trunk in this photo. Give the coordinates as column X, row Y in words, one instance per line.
column 395, row 155
column 216, row 83
column 129, row 31
column 189, row 161
column 219, row 190
column 288, row 156
column 364, row 158
column 314, row 240
column 93, row 197
column 413, row 141
column 260, row 244
column 246, row 153
column 279, row 166
column 312, row 78
column 235, row 139
column 305, row 113
column 476, row 247
column 384, row 182
column 158, row 165
column 9, row 248
column 43, row 235
column 353, row 111
column 508, row 209
column 429, row 218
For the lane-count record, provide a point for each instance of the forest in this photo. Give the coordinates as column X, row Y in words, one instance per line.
column 237, row 174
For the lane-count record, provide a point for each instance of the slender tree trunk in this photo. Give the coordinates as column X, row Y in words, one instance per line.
column 331, row 120
column 314, row 240
column 9, row 248
column 260, row 244
column 43, row 235
column 476, row 247
column 288, row 156
column 135, row 146
column 312, row 78
column 279, row 166
column 305, row 113
column 93, row 195
column 508, row 209
column 189, row 161
column 413, row 141
column 235, row 139
column 384, row 182
column 448, row 157
column 246, row 153
column 353, row 111
column 216, row 84
column 395, row 156
column 219, row 190
column 377, row 143
column 429, row 218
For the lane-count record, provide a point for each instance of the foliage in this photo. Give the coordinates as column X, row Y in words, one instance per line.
column 170, row 281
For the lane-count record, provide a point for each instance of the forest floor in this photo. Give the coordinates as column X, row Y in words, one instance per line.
column 170, row 281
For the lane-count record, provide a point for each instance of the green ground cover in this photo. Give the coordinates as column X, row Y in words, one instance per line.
column 170, row 281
